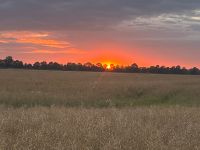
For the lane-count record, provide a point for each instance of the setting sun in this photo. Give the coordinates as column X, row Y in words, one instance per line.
column 108, row 66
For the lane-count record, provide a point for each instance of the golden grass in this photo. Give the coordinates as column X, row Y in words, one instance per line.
column 68, row 123
column 85, row 89
column 60, row 128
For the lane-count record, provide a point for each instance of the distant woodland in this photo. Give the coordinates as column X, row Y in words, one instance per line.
column 9, row 62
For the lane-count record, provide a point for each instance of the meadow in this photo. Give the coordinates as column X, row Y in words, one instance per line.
column 98, row 111
column 88, row 89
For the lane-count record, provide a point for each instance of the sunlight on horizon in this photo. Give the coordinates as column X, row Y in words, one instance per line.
column 108, row 66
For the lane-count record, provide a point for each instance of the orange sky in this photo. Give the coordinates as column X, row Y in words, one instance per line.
column 32, row 46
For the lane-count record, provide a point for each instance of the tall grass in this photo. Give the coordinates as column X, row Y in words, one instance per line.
column 74, row 89
column 141, row 128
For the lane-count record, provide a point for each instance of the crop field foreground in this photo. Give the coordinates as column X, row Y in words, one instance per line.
column 85, row 89
column 90, row 129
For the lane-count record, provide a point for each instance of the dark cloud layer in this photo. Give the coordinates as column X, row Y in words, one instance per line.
column 83, row 14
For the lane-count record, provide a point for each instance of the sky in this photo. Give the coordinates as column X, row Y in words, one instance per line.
column 148, row 32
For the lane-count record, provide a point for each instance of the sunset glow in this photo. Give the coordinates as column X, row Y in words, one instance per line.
column 108, row 66
column 82, row 35
column 99, row 74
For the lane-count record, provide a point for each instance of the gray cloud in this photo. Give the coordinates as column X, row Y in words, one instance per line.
column 83, row 14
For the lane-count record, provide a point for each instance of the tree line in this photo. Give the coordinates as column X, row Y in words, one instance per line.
column 9, row 62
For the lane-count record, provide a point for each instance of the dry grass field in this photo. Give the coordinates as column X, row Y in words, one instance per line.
column 98, row 111
column 154, row 128
column 85, row 89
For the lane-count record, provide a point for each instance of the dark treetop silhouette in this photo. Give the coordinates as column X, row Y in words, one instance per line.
column 9, row 62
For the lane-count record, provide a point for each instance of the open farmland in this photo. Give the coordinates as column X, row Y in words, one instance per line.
column 90, row 111
column 86, row 89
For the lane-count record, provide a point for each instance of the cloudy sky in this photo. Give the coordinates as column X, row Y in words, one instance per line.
column 148, row 32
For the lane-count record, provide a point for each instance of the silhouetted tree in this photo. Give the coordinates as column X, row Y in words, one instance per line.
column 71, row 67
column 8, row 62
column 2, row 64
column 17, row 64
column 36, row 65
column 100, row 67
column 194, row 71
column 105, row 66
column 43, row 65
column 55, row 66
column 28, row 66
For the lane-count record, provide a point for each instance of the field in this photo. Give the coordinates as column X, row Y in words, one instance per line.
column 85, row 89
column 89, row 111
column 152, row 128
